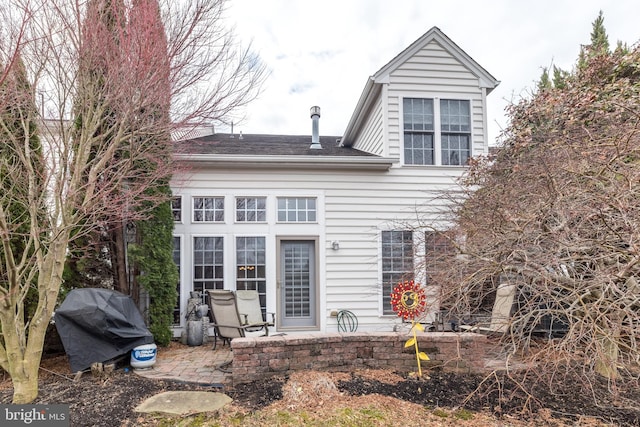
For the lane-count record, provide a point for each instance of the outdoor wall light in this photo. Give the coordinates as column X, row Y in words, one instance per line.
column 335, row 245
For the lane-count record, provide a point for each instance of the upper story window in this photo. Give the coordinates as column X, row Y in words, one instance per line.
column 251, row 209
column 208, row 209
column 455, row 127
column 418, row 131
column 297, row 209
column 436, row 133
column 176, row 208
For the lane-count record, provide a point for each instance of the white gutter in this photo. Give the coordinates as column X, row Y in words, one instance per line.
column 287, row 162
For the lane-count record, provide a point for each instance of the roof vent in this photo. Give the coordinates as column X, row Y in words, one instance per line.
column 315, row 134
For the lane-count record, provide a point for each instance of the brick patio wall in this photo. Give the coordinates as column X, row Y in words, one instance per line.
column 265, row 357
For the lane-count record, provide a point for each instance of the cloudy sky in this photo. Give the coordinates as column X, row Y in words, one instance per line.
column 322, row 52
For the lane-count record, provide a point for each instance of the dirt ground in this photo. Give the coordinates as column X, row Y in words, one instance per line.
column 385, row 398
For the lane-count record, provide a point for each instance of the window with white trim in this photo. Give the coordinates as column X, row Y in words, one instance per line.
column 418, row 131
column 397, row 263
column 176, row 208
column 208, row 209
column 177, row 244
column 208, row 263
column 251, row 267
column 251, row 209
column 436, row 133
column 297, row 209
column 455, row 128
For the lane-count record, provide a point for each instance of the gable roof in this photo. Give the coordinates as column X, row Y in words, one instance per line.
column 261, row 150
column 485, row 79
column 374, row 83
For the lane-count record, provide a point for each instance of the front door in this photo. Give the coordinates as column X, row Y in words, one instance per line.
column 297, row 284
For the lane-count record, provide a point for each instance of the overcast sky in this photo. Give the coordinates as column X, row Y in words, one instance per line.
column 322, row 52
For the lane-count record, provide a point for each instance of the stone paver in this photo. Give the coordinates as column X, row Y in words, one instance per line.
column 183, row 402
column 198, row 365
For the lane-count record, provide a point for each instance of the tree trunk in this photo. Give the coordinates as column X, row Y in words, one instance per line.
column 118, row 261
column 23, row 348
column 23, row 358
column 607, row 357
column 24, row 377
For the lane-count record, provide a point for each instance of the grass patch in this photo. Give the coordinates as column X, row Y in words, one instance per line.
column 440, row 413
column 463, row 414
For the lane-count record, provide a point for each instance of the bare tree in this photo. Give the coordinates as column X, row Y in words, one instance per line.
column 555, row 214
column 87, row 153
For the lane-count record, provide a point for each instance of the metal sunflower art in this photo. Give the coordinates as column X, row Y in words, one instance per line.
column 408, row 300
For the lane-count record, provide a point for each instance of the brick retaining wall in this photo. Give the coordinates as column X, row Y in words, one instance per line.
column 265, row 357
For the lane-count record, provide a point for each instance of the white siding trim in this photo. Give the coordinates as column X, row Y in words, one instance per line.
column 385, row 120
column 485, row 134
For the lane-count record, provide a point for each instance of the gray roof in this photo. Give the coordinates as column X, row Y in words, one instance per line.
column 266, row 145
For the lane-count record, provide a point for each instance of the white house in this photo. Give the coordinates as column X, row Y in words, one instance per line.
column 314, row 223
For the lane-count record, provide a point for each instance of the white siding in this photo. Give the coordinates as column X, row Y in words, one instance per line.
column 433, row 73
column 353, row 208
column 371, row 138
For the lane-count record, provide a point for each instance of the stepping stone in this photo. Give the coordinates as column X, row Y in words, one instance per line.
column 184, row 402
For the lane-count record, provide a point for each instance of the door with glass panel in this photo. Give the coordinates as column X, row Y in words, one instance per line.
column 297, row 284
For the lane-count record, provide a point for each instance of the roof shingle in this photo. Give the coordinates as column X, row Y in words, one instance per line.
column 265, row 145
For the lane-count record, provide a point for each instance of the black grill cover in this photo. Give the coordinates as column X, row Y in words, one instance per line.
column 97, row 325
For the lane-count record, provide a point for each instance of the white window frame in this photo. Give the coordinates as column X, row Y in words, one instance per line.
column 256, row 281
column 295, row 211
column 180, row 254
column 385, row 293
column 175, row 210
column 204, row 210
column 437, row 131
column 246, row 210
column 193, row 262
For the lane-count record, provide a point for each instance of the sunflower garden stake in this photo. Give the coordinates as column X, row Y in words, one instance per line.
column 409, row 301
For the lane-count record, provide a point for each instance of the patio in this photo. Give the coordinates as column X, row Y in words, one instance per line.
column 198, row 364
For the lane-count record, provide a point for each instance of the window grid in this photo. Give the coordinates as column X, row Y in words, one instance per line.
column 297, row 209
column 418, row 149
column 397, row 263
column 297, row 285
column 208, row 209
column 251, row 267
column 176, row 209
column 251, row 209
column 455, row 126
column 176, row 253
column 208, row 264
column 418, row 118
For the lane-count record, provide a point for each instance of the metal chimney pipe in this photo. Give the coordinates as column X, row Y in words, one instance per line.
column 315, row 134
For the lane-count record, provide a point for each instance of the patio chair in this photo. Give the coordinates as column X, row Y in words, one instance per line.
column 251, row 312
column 225, row 317
column 501, row 313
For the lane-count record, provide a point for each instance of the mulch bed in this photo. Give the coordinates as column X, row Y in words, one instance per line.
column 109, row 400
